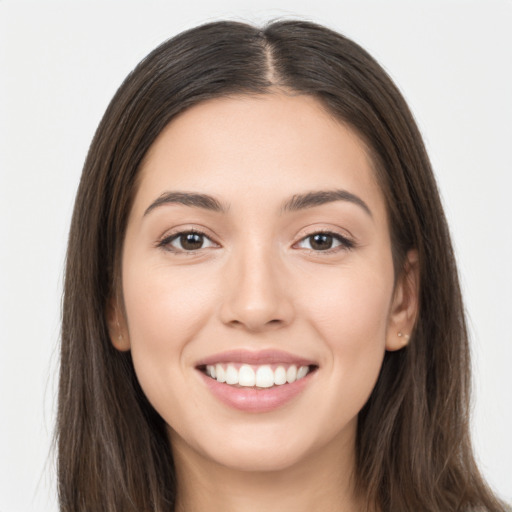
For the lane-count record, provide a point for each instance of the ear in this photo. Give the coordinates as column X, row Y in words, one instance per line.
column 117, row 328
column 404, row 309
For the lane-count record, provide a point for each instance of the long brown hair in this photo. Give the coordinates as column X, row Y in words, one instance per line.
column 413, row 445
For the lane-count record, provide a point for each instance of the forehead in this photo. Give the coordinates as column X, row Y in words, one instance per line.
column 257, row 146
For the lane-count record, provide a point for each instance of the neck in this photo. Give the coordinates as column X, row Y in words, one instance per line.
column 320, row 481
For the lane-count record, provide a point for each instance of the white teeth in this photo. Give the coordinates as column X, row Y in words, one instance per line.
column 231, row 375
column 302, row 372
column 264, row 377
column 246, row 376
column 221, row 375
column 260, row 376
column 291, row 374
column 280, row 376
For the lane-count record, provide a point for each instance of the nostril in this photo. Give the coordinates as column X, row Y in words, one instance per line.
column 256, row 325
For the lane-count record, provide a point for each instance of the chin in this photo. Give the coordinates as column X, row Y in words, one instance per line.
column 243, row 449
column 259, row 460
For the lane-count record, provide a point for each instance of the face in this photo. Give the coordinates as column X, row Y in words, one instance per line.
column 257, row 281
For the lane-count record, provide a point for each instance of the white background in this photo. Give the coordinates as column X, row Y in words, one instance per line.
column 61, row 62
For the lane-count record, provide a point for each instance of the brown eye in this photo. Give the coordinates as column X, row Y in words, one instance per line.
column 324, row 241
column 191, row 241
column 321, row 241
column 186, row 241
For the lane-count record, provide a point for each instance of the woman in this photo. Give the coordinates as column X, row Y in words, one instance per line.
column 261, row 304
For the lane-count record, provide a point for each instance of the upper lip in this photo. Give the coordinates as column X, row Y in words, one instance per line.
column 255, row 357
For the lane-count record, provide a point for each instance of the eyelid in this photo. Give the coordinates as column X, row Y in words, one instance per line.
column 164, row 242
column 346, row 242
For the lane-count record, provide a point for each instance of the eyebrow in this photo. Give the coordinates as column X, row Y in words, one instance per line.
column 318, row 198
column 188, row 199
column 295, row 203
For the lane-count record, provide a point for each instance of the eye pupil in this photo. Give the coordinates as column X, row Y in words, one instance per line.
column 321, row 241
column 191, row 241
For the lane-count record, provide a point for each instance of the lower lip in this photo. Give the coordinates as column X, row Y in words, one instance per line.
column 255, row 400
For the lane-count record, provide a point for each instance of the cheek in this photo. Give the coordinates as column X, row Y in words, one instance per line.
column 165, row 311
column 350, row 316
column 164, row 305
column 352, row 307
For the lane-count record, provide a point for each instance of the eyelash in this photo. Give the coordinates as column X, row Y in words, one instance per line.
column 166, row 242
column 344, row 242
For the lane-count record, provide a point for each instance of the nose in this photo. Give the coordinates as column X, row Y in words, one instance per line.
column 257, row 295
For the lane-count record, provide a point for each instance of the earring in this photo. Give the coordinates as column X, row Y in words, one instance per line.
column 401, row 334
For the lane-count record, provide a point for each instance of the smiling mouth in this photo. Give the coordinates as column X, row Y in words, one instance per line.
column 263, row 376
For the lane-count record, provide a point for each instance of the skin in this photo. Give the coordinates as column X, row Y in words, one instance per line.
column 257, row 284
